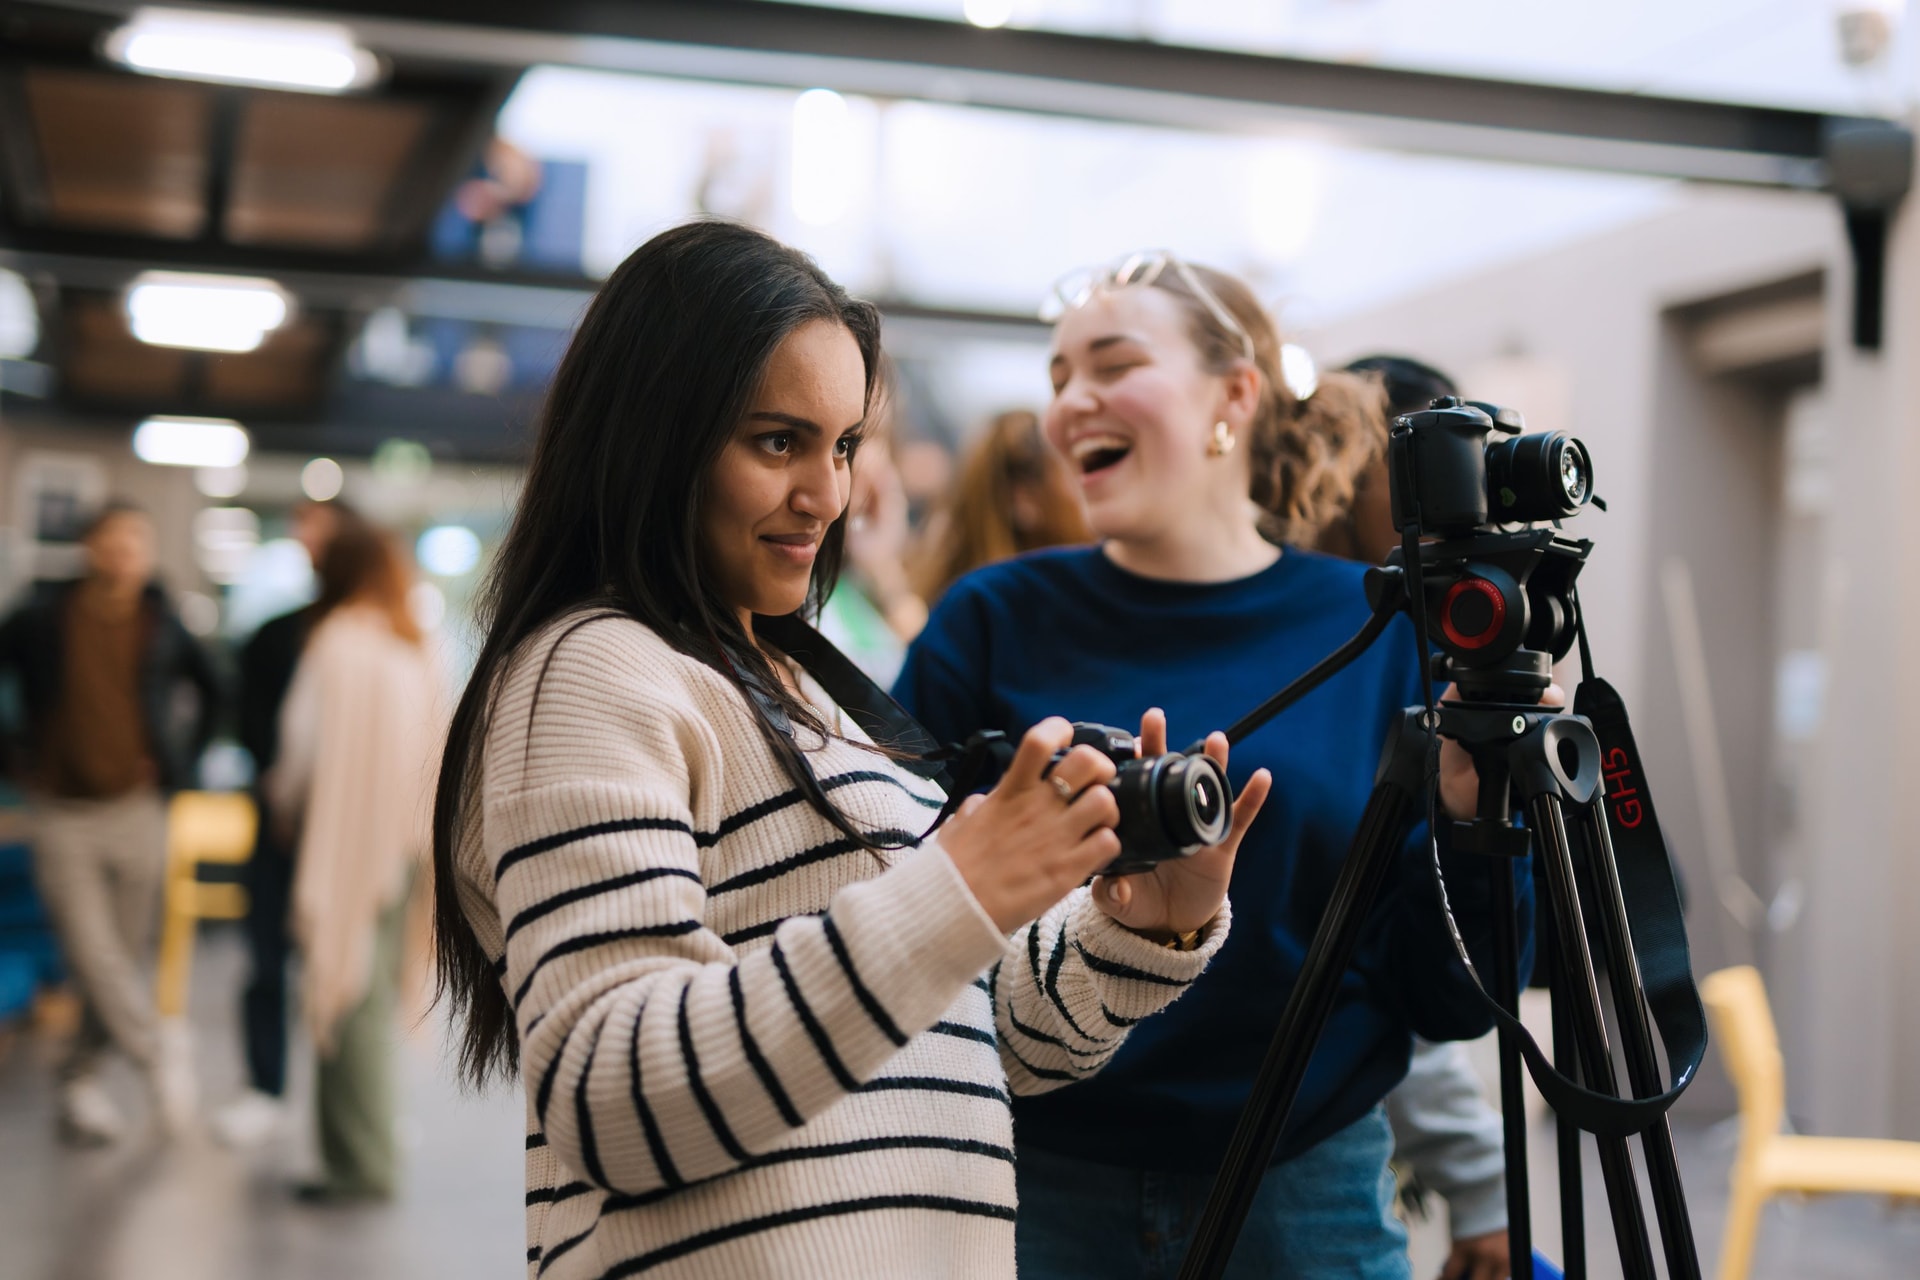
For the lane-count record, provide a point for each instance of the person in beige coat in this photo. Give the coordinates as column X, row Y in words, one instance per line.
column 359, row 740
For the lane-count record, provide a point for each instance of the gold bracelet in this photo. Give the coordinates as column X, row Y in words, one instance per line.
column 1188, row 941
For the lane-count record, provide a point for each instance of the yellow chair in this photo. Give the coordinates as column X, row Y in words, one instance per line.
column 202, row 826
column 1770, row 1162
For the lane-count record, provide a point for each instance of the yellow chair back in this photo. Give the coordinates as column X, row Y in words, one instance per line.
column 1736, row 1000
column 211, row 826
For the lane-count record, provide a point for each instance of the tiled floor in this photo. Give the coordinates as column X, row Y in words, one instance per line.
column 194, row 1211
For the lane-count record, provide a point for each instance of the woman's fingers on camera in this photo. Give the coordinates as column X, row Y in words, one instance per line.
column 1036, row 749
column 1095, row 809
column 1246, row 806
column 1217, row 748
column 1084, row 767
column 1153, row 733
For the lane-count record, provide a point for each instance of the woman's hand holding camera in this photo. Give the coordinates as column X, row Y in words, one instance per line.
column 1459, row 778
column 1038, row 835
column 1181, row 894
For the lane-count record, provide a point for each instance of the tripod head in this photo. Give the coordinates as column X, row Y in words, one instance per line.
column 1493, row 585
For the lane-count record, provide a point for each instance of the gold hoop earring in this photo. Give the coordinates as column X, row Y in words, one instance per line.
column 1222, row 443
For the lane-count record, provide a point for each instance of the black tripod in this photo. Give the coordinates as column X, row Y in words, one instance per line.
column 1552, row 761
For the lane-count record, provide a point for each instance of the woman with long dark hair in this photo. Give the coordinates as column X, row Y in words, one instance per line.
column 764, row 1028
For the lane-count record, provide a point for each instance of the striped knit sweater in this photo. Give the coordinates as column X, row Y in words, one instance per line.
column 748, row 1047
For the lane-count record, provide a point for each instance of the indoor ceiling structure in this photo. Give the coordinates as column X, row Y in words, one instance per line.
column 416, row 275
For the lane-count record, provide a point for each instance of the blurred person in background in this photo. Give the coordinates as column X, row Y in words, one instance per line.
column 1363, row 528
column 266, row 669
column 1201, row 470
column 1013, row 495
column 352, row 789
column 99, row 662
column 1446, row 1138
column 874, row 610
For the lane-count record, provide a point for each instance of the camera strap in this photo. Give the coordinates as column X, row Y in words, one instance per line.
column 959, row 770
column 1658, row 930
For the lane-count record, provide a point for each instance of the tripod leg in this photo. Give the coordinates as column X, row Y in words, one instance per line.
column 1555, row 859
column 1257, row 1135
column 1513, row 1110
column 1573, row 1207
column 1636, row 1039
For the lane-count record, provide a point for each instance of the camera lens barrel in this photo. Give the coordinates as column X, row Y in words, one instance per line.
column 1544, row 476
column 1170, row 806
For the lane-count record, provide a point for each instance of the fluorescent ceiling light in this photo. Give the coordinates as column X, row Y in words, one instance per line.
column 191, row 442
column 206, row 313
column 318, row 57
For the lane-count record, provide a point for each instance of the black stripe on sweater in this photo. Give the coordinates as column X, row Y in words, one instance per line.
column 752, row 931
column 807, row 857
column 535, row 1141
column 533, row 1254
column 560, row 1250
column 583, row 1112
column 761, row 1067
column 787, row 799
column 1035, row 1033
column 815, row 1031
column 716, row 1121
column 960, row 1031
column 1042, row 1073
column 1115, row 969
column 1045, row 981
column 866, row 997
column 936, row 1084
column 826, row 1151
column 656, row 1146
column 554, row 1195
column 546, row 844
column 547, row 906
column 588, row 941
column 804, row 1213
column 544, row 1093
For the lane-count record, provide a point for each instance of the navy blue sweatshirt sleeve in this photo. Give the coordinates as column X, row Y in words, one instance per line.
column 1435, row 992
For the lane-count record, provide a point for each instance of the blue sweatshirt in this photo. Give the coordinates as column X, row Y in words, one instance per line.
column 1068, row 632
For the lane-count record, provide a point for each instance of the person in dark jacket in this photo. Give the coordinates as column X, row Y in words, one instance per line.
column 99, row 663
column 267, row 664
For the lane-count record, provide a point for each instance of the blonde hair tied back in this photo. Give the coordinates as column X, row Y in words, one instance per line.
column 1308, row 454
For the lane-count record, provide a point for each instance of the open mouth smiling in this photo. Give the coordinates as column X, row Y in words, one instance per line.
column 1096, row 453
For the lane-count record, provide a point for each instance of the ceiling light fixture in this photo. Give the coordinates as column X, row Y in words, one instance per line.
column 316, row 57
column 191, row 442
column 205, row 313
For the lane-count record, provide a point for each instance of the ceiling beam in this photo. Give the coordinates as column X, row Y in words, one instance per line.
column 1097, row 77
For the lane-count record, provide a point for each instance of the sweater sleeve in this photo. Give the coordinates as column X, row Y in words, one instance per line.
column 1445, row 1132
column 1063, row 1004
column 655, row 1055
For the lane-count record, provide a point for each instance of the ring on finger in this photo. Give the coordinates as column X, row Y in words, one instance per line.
column 1064, row 787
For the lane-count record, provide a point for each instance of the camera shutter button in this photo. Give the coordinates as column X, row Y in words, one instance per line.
column 1473, row 613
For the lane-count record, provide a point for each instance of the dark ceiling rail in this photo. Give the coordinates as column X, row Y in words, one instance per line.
column 1099, row 77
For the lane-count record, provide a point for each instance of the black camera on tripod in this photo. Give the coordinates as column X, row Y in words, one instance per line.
column 1170, row 806
column 1458, row 467
column 1497, row 583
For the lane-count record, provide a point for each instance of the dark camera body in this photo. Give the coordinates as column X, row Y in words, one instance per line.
column 1170, row 806
column 1459, row 467
column 1496, row 579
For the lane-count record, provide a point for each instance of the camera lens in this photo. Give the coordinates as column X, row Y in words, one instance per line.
column 1576, row 481
column 1193, row 801
column 1544, row 476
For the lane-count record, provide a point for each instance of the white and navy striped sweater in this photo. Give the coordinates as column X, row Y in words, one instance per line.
column 748, row 1048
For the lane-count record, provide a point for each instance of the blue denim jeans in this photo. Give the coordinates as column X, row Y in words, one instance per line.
column 1326, row 1213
